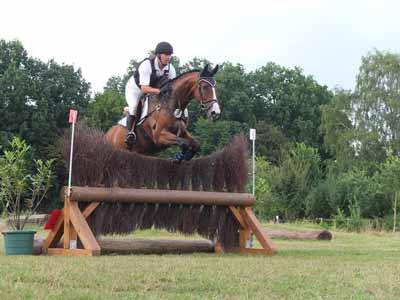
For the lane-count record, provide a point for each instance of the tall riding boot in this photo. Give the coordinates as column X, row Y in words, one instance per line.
column 130, row 125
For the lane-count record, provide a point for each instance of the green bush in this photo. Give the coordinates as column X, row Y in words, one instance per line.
column 21, row 190
column 266, row 206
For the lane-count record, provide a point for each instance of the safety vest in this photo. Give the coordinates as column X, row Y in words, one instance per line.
column 154, row 79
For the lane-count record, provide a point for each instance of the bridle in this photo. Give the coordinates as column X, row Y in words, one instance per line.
column 207, row 104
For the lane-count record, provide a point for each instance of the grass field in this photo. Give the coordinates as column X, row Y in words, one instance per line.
column 351, row 266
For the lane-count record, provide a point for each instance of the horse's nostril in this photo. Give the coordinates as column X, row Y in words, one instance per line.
column 215, row 116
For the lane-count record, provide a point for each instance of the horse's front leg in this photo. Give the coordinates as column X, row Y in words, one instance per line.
column 188, row 145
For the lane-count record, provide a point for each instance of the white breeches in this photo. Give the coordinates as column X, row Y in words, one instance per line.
column 132, row 95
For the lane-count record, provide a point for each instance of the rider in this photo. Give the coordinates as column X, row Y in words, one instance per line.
column 145, row 80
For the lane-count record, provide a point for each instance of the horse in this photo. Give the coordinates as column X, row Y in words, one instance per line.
column 165, row 123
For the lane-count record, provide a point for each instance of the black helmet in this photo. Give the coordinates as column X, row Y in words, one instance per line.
column 164, row 47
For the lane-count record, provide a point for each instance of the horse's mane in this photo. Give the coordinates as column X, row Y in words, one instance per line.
column 179, row 76
column 167, row 84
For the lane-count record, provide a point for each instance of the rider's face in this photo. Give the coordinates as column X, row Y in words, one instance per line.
column 165, row 58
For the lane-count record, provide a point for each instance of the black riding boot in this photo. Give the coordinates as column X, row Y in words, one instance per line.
column 130, row 125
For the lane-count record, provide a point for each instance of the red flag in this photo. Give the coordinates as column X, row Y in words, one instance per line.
column 73, row 116
column 53, row 219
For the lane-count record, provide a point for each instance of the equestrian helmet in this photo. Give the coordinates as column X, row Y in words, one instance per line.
column 164, row 47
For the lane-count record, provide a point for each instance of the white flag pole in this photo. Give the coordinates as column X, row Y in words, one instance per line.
column 73, row 115
column 253, row 138
column 70, row 160
column 249, row 243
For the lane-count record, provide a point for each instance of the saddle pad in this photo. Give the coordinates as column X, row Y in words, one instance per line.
column 143, row 115
column 145, row 111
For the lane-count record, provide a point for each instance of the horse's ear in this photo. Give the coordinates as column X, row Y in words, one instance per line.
column 205, row 72
column 215, row 70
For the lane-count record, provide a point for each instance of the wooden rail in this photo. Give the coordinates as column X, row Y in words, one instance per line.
column 98, row 194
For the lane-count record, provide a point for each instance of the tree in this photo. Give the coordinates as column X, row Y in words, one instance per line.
column 289, row 100
column 106, row 109
column 233, row 87
column 213, row 136
column 271, row 142
column 116, row 84
column 35, row 97
column 389, row 178
column 338, row 130
column 293, row 179
column 376, row 105
column 266, row 205
column 196, row 63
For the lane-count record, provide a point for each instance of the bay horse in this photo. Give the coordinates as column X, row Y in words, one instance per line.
column 165, row 123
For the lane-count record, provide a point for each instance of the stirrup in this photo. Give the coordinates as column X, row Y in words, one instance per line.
column 130, row 138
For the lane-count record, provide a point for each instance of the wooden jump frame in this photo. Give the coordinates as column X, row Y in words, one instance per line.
column 72, row 224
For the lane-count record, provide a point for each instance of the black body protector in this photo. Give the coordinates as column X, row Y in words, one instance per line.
column 155, row 80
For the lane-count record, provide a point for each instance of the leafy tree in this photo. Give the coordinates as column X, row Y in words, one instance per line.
column 376, row 105
column 266, row 206
column 389, row 179
column 196, row 63
column 293, row 179
column 233, row 87
column 106, row 109
column 271, row 143
column 116, row 84
column 346, row 191
column 289, row 100
column 35, row 97
column 213, row 136
column 338, row 130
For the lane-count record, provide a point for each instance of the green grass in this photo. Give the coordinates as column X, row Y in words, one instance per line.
column 351, row 266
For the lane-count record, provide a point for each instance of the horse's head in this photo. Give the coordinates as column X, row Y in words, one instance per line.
column 206, row 93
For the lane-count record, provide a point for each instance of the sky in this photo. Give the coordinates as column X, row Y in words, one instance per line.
column 327, row 39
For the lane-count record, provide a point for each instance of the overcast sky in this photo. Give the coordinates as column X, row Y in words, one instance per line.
column 325, row 38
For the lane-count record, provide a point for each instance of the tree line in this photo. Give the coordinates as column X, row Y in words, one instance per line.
column 320, row 152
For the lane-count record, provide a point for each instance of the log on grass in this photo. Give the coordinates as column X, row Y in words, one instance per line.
column 143, row 246
column 300, row 235
column 148, row 246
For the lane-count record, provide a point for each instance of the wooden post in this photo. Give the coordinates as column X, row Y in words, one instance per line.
column 67, row 223
column 258, row 231
column 83, row 230
column 72, row 225
column 249, row 223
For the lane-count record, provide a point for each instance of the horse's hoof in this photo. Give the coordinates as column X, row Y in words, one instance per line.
column 178, row 157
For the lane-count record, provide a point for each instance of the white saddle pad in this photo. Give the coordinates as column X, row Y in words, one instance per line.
column 142, row 116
